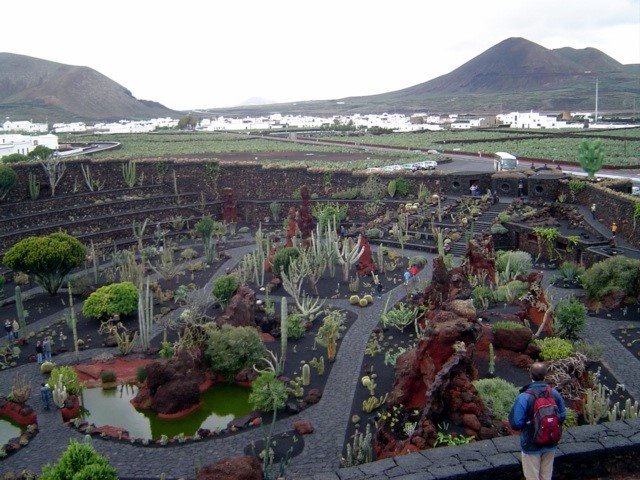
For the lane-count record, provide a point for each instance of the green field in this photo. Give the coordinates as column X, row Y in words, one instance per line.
column 624, row 152
column 138, row 145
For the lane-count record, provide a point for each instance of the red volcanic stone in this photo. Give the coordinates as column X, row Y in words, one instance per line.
column 365, row 263
column 241, row 309
column 471, row 422
column 175, row 396
column 481, row 257
column 471, row 408
column 515, row 340
column 71, row 408
column 256, row 422
column 313, row 396
column 113, row 432
column 303, row 427
column 229, row 206
column 21, row 414
column 267, row 338
column 305, row 220
column 241, row 467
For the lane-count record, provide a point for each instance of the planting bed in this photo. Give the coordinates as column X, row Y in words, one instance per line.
column 629, row 338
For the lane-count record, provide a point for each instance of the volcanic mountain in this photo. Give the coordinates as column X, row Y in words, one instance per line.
column 515, row 74
column 43, row 90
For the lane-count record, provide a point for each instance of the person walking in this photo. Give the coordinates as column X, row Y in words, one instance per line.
column 15, row 326
column 46, row 396
column 378, row 285
column 39, row 351
column 614, row 229
column 8, row 328
column 46, row 348
column 593, row 211
column 538, row 413
column 520, row 188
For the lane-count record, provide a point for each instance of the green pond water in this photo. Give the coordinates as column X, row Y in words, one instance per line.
column 9, row 430
column 220, row 405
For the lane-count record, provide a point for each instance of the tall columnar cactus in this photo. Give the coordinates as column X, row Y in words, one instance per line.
column 348, row 254
column 145, row 314
column 380, row 258
column 306, row 374
column 74, row 322
column 94, row 259
column 20, row 311
column 284, row 332
column 129, row 173
column 60, row 394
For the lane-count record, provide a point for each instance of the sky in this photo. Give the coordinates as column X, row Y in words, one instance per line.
column 195, row 54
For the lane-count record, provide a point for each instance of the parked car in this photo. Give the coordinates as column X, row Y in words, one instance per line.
column 433, row 152
column 425, row 165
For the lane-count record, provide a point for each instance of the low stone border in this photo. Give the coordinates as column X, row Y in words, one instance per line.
column 25, row 416
column 596, row 449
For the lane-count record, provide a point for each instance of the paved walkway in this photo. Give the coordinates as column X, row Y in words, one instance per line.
column 323, row 449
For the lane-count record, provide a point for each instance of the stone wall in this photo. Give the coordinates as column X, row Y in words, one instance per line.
column 584, row 452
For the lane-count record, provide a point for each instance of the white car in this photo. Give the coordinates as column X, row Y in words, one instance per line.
column 433, row 152
column 635, row 190
column 425, row 165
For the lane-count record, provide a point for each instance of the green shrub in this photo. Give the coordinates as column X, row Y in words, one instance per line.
column 243, row 230
column 49, row 258
column 511, row 291
column 498, row 395
column 403, row 186
column 80, row 461
column 554, row 348
column 329, row 213
column 230, row 349
column 188, row 254
column 47, row 367
column 611, row 276
column 497, row 229
column 504, row 217
column 40, row 153
column 568, row 272
column 224, row 288
column 267, row 392
column 141, row 374
column 506, row 326
column 14, row 158
column 418, row 260
column 482, row 296
column 296, row 326
column 108, row 376
column 283, row 258
column 8, row 180
column 348, row 194
column 571, row 418
column 570, row 318
column 519, row 263
column 115, row 299
column 374, row 233
column 69, row 379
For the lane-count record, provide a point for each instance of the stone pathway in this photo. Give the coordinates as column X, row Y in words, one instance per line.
column 323, row 449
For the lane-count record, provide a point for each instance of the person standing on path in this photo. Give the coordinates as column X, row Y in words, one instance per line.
column 378, row 285
column 46, row 348
column 520, row 188
column 8, row 328
column 538, row 452
column 614, row 229
column 16, row 329
column 46, row 396
column 593, row 211
column 39, row 351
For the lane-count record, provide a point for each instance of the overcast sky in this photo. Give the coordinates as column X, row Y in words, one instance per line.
column 198, row 54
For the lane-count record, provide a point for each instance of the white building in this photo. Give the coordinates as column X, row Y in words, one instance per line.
column 69, row 127
column 24, row 144
column 25, row 127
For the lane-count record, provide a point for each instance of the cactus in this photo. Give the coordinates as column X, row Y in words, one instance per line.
column 284, row 332
column 492, row 360
column 20, row 311
column 354, row 299
column 175, row 182
column 60, row 394
column 318, row 364
column 275, row 211
column 94, row 260
column 34, row 187
column 372, row 403
column 354, row 285
column 369, row 299
column 369, row 383
column 363, row 302
column 361, row 450
column 129, row 173
column 73, row 321
column 306, row 374
column 145, row 314
column 596, row 405
column 348, row 254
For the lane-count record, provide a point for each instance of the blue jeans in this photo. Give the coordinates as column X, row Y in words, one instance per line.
column 47, row 355
column 39, row 357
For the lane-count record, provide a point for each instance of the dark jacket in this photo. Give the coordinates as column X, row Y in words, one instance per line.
column 522, row 414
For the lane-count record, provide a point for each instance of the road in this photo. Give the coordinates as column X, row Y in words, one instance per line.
column 466, row 163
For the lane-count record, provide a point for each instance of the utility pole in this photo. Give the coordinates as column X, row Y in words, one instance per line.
column 595, row 120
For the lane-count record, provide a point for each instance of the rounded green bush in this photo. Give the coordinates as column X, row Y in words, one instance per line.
column 283, row 258
column 514, row 288
column 80, row 461
column 8, row 180
column 481, row 295
column 498, row 395
column 224, row 288
column 230, row 349
column 506, row 326
column 267, row 392
column 374, row 233
column 497, row 229
column 418, row 260
column 611, row 276
column 49, row 258
column 519, row 263
column 296, row 326
column 69, row 379
column 554, row 348
column 14, row 158
column 110, row 300
column 108, row 376
column 570, row 318
column 47, row 367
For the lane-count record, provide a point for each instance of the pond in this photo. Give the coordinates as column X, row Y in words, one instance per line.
column 9, row 430
column 220, row 405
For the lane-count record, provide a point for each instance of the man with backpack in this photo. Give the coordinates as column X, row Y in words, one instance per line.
column 538, row 413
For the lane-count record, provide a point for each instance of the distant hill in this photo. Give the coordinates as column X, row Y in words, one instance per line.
column 32, row 88
column 255, row 101
column 515, row 74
